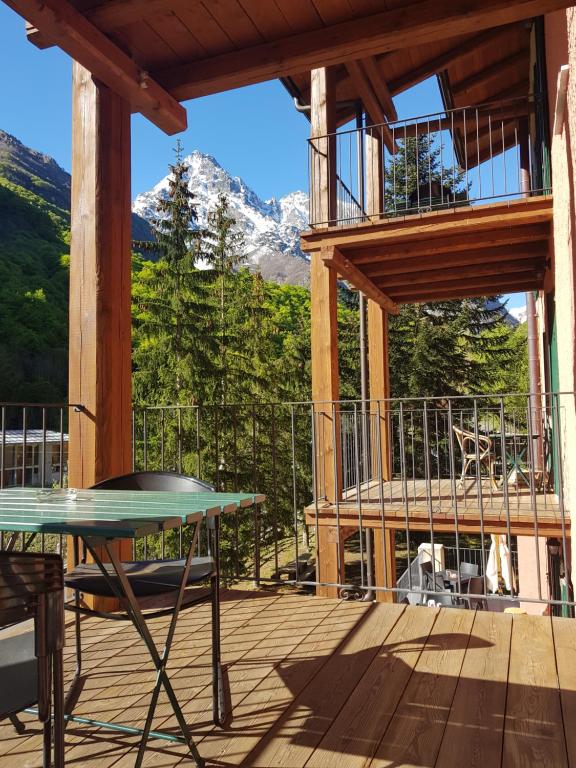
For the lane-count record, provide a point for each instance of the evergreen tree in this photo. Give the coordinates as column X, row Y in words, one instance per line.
column 439, row 348
column 174, row 327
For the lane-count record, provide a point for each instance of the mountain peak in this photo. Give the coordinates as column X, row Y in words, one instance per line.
column 271, row 228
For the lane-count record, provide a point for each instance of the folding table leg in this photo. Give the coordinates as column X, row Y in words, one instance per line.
column 128, row 599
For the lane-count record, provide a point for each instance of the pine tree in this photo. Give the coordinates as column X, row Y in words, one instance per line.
column 439, row 348
column 223, row 250
column 174, row 337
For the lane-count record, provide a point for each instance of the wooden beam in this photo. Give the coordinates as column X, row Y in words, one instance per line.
column 323, row 149
column 407, row 26
column 333, row 258
column 478, row 219
column 461, row 259
column 465, row 274
column 456, row 289
column 59, row 21
column 370, row 100
column 449, row 245
column 490, row 281
column 496, row 70
column 452, row 294
column 100, row 361
column 463, row 50
column 380, row 87
column 325, row 377
column 115, row 14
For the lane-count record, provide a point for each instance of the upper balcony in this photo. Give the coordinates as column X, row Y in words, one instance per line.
column 442, row 206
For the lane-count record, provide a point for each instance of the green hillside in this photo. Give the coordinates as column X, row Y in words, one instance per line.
column 33, row 296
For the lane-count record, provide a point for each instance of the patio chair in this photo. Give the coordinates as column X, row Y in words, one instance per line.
column 475, row 586
column 152, row 578
column 476, row 448
column 32, row 587
column 468, row 570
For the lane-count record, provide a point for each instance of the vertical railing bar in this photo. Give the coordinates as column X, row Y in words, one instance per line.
column 294, row 490
column 179, row 444
column 162, row 439
column 479, row 477
column 404, row 480
column 505, row 487
column 274, row 488
column 381, row 487
column 61, row 445
column 3, row 455
column 337, row 493
column 429, row 487
column 24, row 441
column 533, row 501
column 359, row 492
column 561, row 508
column 145, row 437
column 43, row 468
column 453, row 490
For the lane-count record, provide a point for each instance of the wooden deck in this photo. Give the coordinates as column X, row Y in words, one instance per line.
column 413, row 503
column 325, row 684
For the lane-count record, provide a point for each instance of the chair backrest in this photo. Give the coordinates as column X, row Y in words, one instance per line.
column 468, row 569
column 32, row 586
column 25, row 577
column 464, row 437
column 476, row 585
column 154, row 481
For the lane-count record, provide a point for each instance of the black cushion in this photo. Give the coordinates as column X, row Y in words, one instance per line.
column 18, row 673
column 155, row 577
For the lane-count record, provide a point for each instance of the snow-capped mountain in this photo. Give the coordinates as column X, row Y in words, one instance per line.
column 271, row 228
column 519, row 314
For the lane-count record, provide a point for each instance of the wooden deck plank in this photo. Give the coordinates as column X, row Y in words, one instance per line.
column 257, row 713
column 354, row 735
column 298, row 731
column 414, row 735
column 324, row 683
column 533, row 730
column 475, row 728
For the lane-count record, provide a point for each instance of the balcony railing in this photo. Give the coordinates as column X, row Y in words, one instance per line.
column 442, row 474
column 432, row 162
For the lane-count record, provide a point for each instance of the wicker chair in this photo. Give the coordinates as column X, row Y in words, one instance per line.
column 32, row 587
column 476, row 448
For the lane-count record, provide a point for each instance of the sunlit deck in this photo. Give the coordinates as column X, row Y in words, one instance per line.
column 416, row 503
column 317, row 682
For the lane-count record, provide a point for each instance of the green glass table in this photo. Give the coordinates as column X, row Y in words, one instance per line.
column 99, row 517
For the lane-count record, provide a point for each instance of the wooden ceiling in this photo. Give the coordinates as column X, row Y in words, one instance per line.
column 473, row 251
column 156, row 53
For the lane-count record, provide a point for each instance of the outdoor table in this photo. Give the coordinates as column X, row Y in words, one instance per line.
column 99, row 517
column 515, row 450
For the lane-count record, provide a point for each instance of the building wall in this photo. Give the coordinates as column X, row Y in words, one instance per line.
column 560, row 36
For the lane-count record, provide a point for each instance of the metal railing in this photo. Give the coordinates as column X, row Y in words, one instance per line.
column 34, row 454
column 388, row 477
column 436, row 161
column 455, row 471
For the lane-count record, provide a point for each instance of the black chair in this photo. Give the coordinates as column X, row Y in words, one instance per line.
column 31, row 673
column 156, row 577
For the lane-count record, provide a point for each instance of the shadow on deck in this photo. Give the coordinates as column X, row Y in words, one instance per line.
column 316, row 682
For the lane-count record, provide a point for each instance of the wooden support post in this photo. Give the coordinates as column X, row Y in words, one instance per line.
column 385, row 563
column 374, row 174
column 330, row 558
column 379, row 378
column 323, row 202
column 384, row 542
column 100, row 366
column 325, row 378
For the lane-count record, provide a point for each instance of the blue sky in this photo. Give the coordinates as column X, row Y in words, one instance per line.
column 253, row 132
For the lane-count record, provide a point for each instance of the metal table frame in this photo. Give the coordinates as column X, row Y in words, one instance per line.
column 96, row 531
